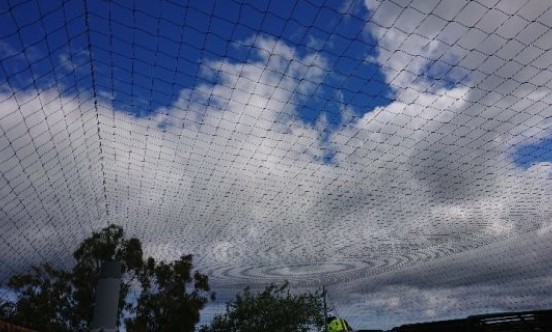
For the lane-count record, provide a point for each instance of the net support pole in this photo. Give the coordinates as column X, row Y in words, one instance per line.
column 106, row 303
column 325, row 309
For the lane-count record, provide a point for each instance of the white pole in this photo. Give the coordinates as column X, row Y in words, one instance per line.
column 106, row 302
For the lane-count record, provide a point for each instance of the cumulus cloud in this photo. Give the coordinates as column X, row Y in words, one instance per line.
column 454, row 163
column 490, row 279
column 49, row 152
column 217, row 146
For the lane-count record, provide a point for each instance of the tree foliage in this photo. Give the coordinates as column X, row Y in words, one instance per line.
column 50, row 299
column 275, row 309
column 166, row 302
column 46, row 297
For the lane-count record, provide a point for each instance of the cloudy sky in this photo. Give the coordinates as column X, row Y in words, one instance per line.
column 398, row 152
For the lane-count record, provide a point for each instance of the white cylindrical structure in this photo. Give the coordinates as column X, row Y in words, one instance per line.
column 106, row 302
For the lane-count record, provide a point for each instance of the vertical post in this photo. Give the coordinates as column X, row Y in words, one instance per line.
column 106, row 302
column 325, row 309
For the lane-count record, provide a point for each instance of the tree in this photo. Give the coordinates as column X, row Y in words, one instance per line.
column 165, row 304
column 45, row 297
column 49, row 299
column 107, row 245
column 275, row 309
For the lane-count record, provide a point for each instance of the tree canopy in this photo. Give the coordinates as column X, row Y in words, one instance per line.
column 168, row 296
column 275, row 309
column 171, row 297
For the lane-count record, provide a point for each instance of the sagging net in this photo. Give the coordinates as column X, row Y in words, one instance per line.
column 397, row 152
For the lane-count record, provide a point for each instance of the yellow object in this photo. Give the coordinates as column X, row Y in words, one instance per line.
column 338, row 325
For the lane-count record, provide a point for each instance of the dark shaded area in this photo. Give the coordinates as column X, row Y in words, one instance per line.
column 502, row 322
column 7, row 327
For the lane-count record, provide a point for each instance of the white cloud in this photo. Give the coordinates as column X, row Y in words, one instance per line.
column 507, row 275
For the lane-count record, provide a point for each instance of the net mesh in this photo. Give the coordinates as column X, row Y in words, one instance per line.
column 397, row 152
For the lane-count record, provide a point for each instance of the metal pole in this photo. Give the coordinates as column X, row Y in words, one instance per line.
column 325, row 309
column 106, row 302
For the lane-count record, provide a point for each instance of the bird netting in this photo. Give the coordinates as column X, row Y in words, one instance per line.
column 398, row 152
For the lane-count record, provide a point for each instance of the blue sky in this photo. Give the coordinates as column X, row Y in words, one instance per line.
column 530, row 154
column 254, row 134
column 142, row 55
